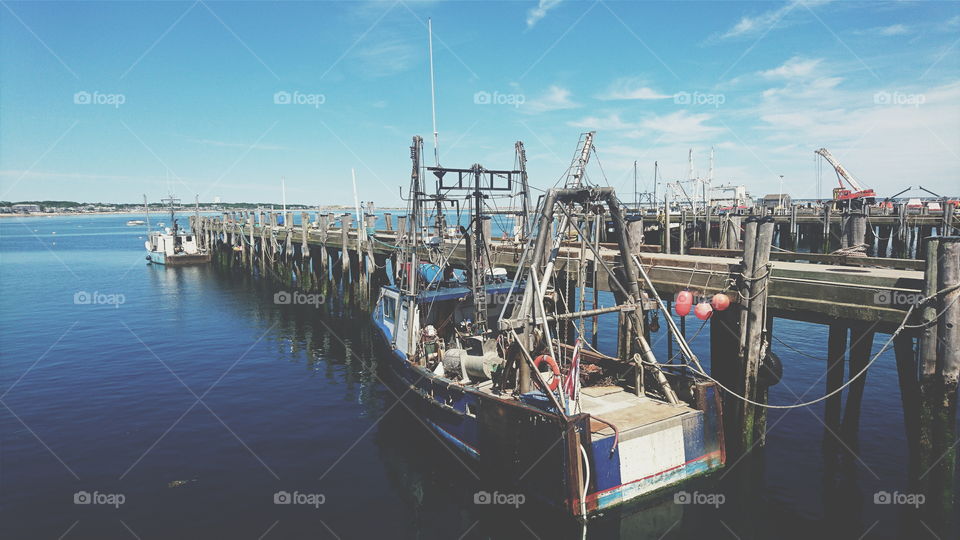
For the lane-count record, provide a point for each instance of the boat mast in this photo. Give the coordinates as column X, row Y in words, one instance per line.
column 478, row 266
column 433, row 97
column 525, row 227
column 410, row 243
column 574, row 180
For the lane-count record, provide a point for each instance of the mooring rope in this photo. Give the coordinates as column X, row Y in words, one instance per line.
column 796, row 350
column 857, row 250
column 900, row 328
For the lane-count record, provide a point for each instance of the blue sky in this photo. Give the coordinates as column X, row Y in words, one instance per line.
column 107, row 101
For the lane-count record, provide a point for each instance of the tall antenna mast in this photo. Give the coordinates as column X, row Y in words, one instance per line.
column 710, row 176
column 433, row 98
column 709, row 181
column 636, row 201
column 655, row 172
column 690, row 162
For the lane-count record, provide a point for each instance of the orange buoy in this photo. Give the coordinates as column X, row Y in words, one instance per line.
column 682, row 308
column 684, row 297
column 553, row 367
column 720, row 301
column 703, row 311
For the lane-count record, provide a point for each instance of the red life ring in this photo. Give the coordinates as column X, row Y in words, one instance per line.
column 553, row 367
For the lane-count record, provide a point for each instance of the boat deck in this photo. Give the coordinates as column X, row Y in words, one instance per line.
column 625, row 410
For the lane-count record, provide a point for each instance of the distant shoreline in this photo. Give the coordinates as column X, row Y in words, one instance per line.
column 158, row 212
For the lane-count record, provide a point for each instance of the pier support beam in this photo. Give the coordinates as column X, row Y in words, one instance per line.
column 836, row 354
column 861, row 343
column 909, row 397
column 825, row 238
column 938, row 385
column 726, row 367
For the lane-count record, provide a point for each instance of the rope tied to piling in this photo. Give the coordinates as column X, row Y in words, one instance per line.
column 766, row 273
column 749, row 279
column 924, row 301
column 903, row 325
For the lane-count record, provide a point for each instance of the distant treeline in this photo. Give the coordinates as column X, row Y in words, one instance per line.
column 75, row 204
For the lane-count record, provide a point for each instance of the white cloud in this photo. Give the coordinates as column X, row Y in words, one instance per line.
column 535, row 14
column 225, row 144
column 630, row 88
column 886, row 31
column 555, row 99
column 801, row 78
column 611, row 122
column 793, row 68
column 386, row 58
column 762, row 22
column 893, row 30
column 679, row 126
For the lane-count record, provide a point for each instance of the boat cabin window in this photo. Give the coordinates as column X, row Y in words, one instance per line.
column 189, row 239
column 390, row 309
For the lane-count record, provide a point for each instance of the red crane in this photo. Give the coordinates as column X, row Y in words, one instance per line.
column 852, row 190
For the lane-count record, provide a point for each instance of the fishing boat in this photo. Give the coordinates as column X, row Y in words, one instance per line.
column 499, row 367
column 136, row 222
column 173, row 246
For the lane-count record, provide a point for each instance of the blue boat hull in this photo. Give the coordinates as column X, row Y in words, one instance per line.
column 532, row 451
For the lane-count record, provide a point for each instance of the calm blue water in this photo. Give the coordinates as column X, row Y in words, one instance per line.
column 194, row 397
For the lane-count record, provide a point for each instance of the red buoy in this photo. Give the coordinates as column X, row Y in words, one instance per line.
column 682, row 308
column 684, row 297
column 703, row 311
column 720, row 302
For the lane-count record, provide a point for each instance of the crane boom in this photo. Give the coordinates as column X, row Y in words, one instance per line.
column 841, row 193
column 841, row 172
